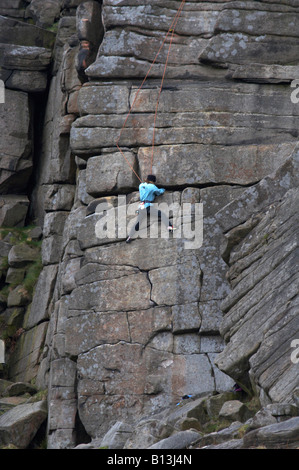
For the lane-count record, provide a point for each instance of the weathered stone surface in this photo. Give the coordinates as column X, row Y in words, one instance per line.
column 89, row 22
column 25, row 359
column 131, row 68
column 134, row 328
column 186, row 317
column 16, row 146
column 191, row 115
column 62, row 404
column 262, row 418
column 281, row 435
column 196, row 18
column 19, row 388
column 13, row 210
column 211, row 317
column 155, row 253
column 39, row 307
column 116, row 437
column 44, row 13
column 101, row 99
column 92, row 329
column 109, row 173
column 25, row 57
column 234, row 410
column 18, row 297
column 19, row 425
column 198, row 164
column 25, row 34
column 2, row 351
column 8, row 403
column 214, row 404
column 226, row 438
column 133, row 44
column 148, row 432
column 265, row 73
column 58, row 197
column 180, row 440
column 22, row 254
column 261, row 307
column 27, row 81
column 253, row 22
column 243, row 48
column 112, row 294
column 169, row 285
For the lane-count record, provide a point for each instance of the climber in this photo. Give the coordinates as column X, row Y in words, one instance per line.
column 148, row 191
column 83, row 60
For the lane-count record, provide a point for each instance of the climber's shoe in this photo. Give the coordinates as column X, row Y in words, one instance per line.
column 170, row 228
column 128, row 240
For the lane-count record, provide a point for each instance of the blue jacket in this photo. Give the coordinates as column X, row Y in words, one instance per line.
column 148, row 191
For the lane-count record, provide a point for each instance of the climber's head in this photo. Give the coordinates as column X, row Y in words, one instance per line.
column 150, row 179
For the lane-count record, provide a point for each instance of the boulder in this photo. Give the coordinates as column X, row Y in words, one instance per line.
column 19, row 425
column 24, row 34
column 20, row 388
column 221, row 438
column 22, row 254
column 282, row 435
column 179, row 440
column 234, row 410
column 27, row 81
column 4, row 384
column 29, row 58
column 13, row 210
column 18, row 297
column 215, row 403
column 8, row 403
column 44, row 13
column 148, row 431
column 116, row 437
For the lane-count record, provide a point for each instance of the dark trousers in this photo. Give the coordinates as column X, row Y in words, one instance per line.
column 143, row 213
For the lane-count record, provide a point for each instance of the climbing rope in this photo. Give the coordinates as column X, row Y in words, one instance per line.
column 172, row 31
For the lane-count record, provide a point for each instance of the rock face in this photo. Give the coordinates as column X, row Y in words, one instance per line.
column 120, row 332
column 261, row 310
column 20, row 424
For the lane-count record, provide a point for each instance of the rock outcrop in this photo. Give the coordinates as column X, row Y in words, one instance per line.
column 119, row 333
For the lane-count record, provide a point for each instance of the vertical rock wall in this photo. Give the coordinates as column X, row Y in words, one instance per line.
column 132, row 328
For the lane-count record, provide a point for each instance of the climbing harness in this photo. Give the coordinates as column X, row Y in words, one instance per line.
column 171, row 31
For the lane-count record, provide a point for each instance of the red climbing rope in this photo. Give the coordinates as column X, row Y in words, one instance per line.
column 172, row 31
